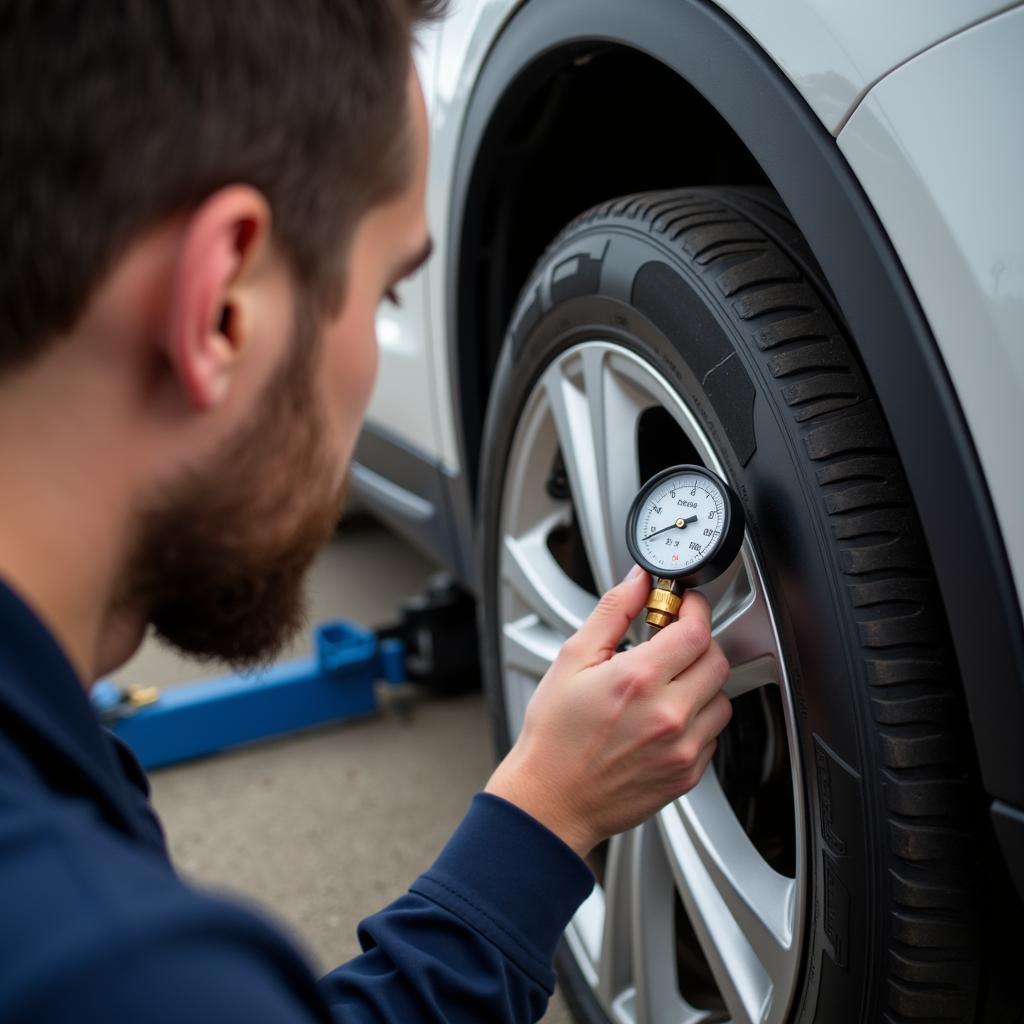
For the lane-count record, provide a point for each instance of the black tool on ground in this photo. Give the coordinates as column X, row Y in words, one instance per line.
column 685, row 527
column 438, row 629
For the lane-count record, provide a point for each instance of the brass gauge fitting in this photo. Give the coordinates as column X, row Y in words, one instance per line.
column 663, row 603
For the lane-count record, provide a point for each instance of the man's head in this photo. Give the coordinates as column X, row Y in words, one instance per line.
column 203, row 206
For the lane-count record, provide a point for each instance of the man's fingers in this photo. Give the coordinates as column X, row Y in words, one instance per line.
column 674, row 649
column 702, row 681
column 695, row 748
column 595, row 641
column 711, row 719
column 695, row 773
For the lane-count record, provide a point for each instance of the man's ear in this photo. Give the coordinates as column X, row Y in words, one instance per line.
column 208, row 330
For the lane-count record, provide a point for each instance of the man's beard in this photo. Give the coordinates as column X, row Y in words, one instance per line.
column 220, row 565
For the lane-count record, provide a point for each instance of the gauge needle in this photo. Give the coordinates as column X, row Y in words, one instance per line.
column 679, row 524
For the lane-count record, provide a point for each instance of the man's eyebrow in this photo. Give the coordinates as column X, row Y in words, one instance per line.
column 411, row 265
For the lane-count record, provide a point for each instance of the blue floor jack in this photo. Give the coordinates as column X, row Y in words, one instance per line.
column 433, row 645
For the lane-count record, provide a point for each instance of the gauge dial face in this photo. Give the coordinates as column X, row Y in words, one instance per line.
column 680, row 522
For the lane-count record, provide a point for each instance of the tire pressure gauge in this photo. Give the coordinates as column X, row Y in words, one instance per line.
column 685, row 527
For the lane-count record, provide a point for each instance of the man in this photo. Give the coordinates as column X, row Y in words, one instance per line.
column 202, row 207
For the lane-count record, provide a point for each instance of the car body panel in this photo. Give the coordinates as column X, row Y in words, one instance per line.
column 948, row 192
column 402, row 397
column 413, row 342
column 833, row 51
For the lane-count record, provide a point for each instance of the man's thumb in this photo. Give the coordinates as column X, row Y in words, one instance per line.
column 597, row 638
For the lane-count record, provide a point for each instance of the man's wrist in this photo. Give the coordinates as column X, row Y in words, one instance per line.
column 518, row 789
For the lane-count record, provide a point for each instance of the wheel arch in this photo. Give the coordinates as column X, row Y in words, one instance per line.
column 750, row 108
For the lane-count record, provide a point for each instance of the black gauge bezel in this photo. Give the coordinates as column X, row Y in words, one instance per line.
column 728, row 545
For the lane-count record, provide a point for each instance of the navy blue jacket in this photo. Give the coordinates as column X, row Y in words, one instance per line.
column 96, row 926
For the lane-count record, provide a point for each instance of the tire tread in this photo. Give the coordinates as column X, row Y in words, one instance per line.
column 907, row 667
column 748, row 251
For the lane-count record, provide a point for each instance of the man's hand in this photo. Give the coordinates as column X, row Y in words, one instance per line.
column 609, row 739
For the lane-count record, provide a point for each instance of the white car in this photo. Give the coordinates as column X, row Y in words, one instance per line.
column 784, row 240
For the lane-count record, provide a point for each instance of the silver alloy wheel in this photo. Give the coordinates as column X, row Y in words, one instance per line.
column 747, row 916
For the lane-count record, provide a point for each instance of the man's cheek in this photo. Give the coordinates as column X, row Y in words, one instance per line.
column 349, row 381
column 373, row 366
column 361, row 368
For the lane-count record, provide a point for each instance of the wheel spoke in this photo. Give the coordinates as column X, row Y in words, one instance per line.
column 741, row 623
column 595, row 414
column 615, row 967
column 740, row 908
column 530, row 570
column 637, row 970
column 615, row 406
column 728, row 590
column 519, row 687
column 530, row 646
column 751, row 675
column 758, row 896
column 653, row 929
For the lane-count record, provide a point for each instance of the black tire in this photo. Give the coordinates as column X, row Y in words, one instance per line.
column 718, row 290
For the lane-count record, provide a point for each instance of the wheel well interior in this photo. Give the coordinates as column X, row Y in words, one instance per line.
column 584, row 125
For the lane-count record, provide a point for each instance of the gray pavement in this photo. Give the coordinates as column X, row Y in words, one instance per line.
column 322, row 829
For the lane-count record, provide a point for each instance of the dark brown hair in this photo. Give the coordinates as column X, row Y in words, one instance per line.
column 115, row 114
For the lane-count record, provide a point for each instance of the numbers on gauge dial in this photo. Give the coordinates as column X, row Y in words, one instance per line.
column 681, row 523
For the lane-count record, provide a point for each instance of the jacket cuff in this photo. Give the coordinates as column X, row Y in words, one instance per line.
column 512, row 879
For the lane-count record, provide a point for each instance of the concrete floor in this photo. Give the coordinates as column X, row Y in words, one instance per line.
column 324, row 828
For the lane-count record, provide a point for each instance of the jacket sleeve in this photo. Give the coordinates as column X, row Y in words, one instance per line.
column 474, row 938
column 97, row 930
